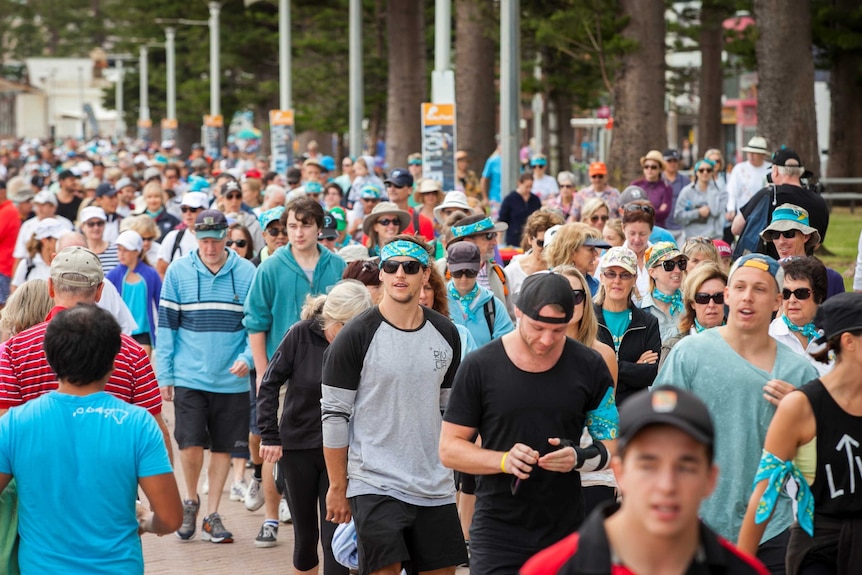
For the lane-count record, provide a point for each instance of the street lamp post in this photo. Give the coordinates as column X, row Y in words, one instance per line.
column 510, row 92
column 356, row 88
column 144, row 121
column 215, row 96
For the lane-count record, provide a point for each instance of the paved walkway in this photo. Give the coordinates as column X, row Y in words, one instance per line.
column 167, row 555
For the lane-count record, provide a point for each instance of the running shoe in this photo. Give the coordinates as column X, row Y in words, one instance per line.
column 186, row 532
column 284, row 511
column 267, row 536
column 213, row 530
column 238, row 490
column 254, row 495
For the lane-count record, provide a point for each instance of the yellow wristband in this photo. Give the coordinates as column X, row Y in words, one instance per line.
column 503, row 462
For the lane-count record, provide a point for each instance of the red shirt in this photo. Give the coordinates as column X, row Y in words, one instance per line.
column 426, row 226
column 10, row 223
column 25, row 373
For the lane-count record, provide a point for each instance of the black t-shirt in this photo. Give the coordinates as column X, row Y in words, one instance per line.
column 508, row 406
column 818, row 211
column 70, row 210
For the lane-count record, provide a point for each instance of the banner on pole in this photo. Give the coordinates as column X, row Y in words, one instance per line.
column 169, row 129
column 438, row 144
column 144, row 126
column 212, row 135
column 282, row 136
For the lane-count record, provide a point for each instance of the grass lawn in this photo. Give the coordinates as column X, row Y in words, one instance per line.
column 842, row 242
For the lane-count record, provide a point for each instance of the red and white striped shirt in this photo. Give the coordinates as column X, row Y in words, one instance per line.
column 25, row 373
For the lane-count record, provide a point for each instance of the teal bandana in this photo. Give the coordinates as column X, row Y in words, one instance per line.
column 675, row 300
column 465, row 300
column 697, row 327
column 776, row 473
column 404, row 248
column 603, row 422
column 470, row 229
column 808, row 330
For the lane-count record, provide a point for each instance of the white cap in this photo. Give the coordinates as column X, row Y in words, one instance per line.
column 131, row 240
column 195, row 200
column 49, row 228
column 91, row 212
column 45, row 197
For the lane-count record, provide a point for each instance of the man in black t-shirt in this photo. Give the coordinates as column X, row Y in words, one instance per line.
column 68, row 196
column 787, row 188
column 529, row 395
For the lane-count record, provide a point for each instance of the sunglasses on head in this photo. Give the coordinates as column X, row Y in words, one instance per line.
column 670, row 264
column 275, row 232
column 209, row 227
column 773, row 235
column 187, row 209
column 639, row 208
column 233, row 196
column 469, row 273
column 595, row 219
column 699, row 240
column 800, row 293
column 612, row 275
column 703, row 298
column 237, row 243
column 387, row 222
column 579, row 296
column 411, row 267
column 651, row 167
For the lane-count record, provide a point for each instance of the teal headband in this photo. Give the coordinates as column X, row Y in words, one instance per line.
column 404, row 248
column 474, row 228
column 792, row 215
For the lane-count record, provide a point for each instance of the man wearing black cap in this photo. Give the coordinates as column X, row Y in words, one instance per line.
column 107, row 199
column 786, row 188
column 328, row 233
column 664, row 469
column 399, row 186
column 68, row 196
column 529, row 395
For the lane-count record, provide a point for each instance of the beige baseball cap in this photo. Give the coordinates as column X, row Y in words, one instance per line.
column 74, row 263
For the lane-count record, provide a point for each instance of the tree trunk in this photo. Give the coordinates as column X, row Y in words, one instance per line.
column 709, row 132
column 639, row 91
column 845, row 130
column 785, row 78
column 406, row 84
column 474, row 78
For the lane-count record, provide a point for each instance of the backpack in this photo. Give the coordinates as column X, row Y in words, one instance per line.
column 749, row 240
column 490, row 315
column 177, row 241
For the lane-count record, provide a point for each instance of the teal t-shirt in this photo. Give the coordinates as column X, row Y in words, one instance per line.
column 732, row 389
column 618, row 322
column 135, row 298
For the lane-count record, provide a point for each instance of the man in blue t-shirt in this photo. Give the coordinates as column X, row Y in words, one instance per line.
column 491, row 176
column 83, row 452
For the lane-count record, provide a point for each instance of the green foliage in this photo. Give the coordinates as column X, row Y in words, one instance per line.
column 836, row 29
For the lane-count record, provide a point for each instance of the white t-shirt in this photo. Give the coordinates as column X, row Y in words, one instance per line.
column 39, row 271
column 26, row 232
column 188, row 244
column 745, row 181
column 545, row 187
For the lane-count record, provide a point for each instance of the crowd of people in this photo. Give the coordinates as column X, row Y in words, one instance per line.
column 554, row 380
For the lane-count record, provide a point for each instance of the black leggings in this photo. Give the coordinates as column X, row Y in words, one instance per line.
column 307, row 483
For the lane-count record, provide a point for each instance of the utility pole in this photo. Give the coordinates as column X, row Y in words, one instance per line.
column 510, row 92
column 356, row 85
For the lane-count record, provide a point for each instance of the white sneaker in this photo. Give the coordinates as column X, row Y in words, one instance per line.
column 205, row 488
column 238, row 490
column 284, row 511
column 254, row 495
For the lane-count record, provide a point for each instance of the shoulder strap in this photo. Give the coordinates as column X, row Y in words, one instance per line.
column 502, row 275
column 415, row 222
column 177, row 241
column 30, row 266
column 490, row 315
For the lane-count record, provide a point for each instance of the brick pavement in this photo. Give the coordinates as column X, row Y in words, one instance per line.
column 167, row 555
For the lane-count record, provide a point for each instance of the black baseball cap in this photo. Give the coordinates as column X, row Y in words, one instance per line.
column 329, row 231
column 66, row 174
column 546, row 288
column 784, row 155
column 400, row 178
column 838, row 314
column 666, row 405
column 105, row 189
column 463, row 256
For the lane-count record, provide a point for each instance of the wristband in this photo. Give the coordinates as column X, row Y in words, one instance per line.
column 503, row 462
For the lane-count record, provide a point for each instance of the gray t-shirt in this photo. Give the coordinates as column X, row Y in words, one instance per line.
column 384, row 390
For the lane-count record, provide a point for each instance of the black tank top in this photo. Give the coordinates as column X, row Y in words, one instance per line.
column 837, row 487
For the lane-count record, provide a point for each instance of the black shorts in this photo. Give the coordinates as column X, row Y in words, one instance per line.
column 390, row 531
column 217, row 421
column 143, row 338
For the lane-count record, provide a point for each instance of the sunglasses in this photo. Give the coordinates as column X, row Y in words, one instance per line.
column 391, row 185
column 595, row 219
column 369, row 266
column 411, row 267
column 469, row 273
column 237, row 243
column 703, row 298
column 540, row 243
column 491, row 235
column 699, row 240
column 704, row 171
column 187, row 209
column 579, row 296
column 148, row 238
column 597, row 177
column 385, row 222
column 800, row 293
column 233, row 196
column 670, row 264
column 773, row 235
column 275, row 232
column 371, row 200
column 567, row 186
column 612, row 275
column 639, row 208
column 651, row 167
column 96, row 224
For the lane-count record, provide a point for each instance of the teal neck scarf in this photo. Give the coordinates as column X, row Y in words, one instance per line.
column 808, row 330
column 675, row 300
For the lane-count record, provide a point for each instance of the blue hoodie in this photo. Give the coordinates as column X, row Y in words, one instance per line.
column 279, row 289
column 200, row 324
column 474, row 320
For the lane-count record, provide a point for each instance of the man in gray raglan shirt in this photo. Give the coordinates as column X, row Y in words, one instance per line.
column 386, row 379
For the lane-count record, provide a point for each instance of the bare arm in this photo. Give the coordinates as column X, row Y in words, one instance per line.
column 166, row 435
column 161, row 267
column 167, row 507
column 258, row 353
column 738, row 224
column 337, row 508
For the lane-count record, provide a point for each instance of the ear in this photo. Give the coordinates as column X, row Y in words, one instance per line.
column 51, row 287
column 779, row 301
column 99, row 291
